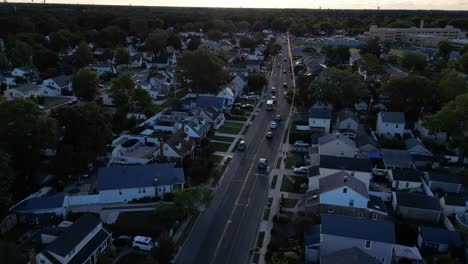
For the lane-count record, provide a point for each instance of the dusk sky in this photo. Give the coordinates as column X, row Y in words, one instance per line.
column 334, row 4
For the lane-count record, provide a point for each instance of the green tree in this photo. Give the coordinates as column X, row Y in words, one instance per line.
column 444, row 50
column 8, row 253
column 243, row 26
column 21, row 54
column 371, row 64
column 372, row 46
column 6, row 178
column 139, row 26
column 336, row 55
column 122, row 56
column 298, row 28
column 83, row 55
column 256, row 82
column 165, row 250
column 193, row 44
column 464, row 49
column 4, row 62
column 247, row 43
column 156, row 41
column 121, row 90
column 341, row 88
column 44, row 59
column 215, row 35
column 463, row 62
column 414, row 61
column 141, row 102
column 85, row 84
column 174, row 41
column 451, row 84
column 203, row 68
column 111, row 36
column 59, row 40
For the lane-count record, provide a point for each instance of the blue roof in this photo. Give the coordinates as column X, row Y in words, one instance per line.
column 346, row 163
column 358, row 228
column 125, row 177
column 210, row 100
column 321, row 113
column 43, row 202
column 441, row 236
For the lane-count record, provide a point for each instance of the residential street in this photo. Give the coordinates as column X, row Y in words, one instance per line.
column 226, row 232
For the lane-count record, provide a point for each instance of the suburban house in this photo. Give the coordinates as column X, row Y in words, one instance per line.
column 352, row 255
column 360, row 168
column 336, row 233
column 214, row 116
column 390, row 123
column 161, row 60
column 237, row 85
column 210, row 100
column 81, row 242
column 367, row 143
column 228, row 95
column 102, row 68
column 197, row 129
column 415, row 146
column 23, row 72
column 22, row 91
column 437, row 239
column 134, row 149
column 444, row 182
column 437, row 137
column 343, row 194
column 406, row 179
column 454, row 203
column 320, row 119
column 417, row 206
column 338, row 145
column 178, row 147
column 406, row 255
column 124, row 184
column 397, row 159
column 59, row 83
column 347, row 123
column 50, row 204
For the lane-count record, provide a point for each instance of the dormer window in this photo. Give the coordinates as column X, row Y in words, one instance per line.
column 368, row 244
column 345, row 190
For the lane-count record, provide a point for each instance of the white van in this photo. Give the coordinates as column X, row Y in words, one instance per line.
column 143, row 243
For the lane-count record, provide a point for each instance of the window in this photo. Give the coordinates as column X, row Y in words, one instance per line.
column 345, row 190
column 374, row 217
column 368, row 244
column 396, row 126
column 407, row 185
column 383, row 260
column 351, row 203
column 360, row 215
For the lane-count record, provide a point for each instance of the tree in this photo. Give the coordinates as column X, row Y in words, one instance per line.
column 21, row 54
column 174, row 41
column 45, row 59
column 193, row 44
column 87, row 131
column 156, row 41
column 121, row 90
column 371, row 64
column 247, row 43
column 111, row 36
column 444, row 50
column 414, row 61
column 139, row 26
column 451, row 84
column 165, row 250
column 372, row 46
column 6, row 178
column 8, row 253
column 59, row 40
column 256, row 81
column 298, row 28
column 122, row 56
column 463, row 61
column 341, row 88
column 83, row 55
column 203, row 68
column 215, row 35
column 412, row 101
column 85, row 84
column 141, row 102
column 464, row 49
column 336, row 55
column 4, row 62
column 243, row 26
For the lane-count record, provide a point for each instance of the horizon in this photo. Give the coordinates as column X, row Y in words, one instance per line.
column 423, row 5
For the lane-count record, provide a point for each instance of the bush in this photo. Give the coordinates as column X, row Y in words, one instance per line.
column 282, row 219
column 291, row 256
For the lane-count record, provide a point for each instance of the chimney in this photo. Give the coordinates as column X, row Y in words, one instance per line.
column 421, row 23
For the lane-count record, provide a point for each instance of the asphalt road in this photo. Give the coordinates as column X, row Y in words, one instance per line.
column 226, row 232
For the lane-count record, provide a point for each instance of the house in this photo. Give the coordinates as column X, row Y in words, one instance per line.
column 343, row 194
column 23, row 91
column 81, row 242
column 237, row 85
column 361, row 106
column 23, row 72
column 161, row 60
column 417, row 206
column 437, row 239
column 134, row 149
column 103, row 68
column 454, row 203
column 406, row 179
column 320, row 119
column 210, row 100
column 197, row 129
column 352, row 255
column 390, row 124
column 51, row 204
column 228, row 95
column 7, row 80
column 367, row 143
column 437, row 137
column 406, row 255
column 124, row 184
column 360, row 168
column 338, row 145
column 178, row 147
column 397, row 159
column 415, row 146
column 376, row 238
column 444, row 182
column 347, row 123
column 59, row 83
column 214, row 116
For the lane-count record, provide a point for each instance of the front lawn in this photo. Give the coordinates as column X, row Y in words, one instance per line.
column 132, row 258
column 223, row 139
column 289, row 203
column 295, row 159
column 219, row 146
column 230, row 129
column 216, row 159
column 293, row 184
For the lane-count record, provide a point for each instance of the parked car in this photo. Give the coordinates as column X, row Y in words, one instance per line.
column 285, row 85
column 237, row 105
column 273, row 125
column 285, row 71
column 273, row 98
column 262, row 163
column 301, row 143
column 241, row 146
column 248, row 106
column 73, row 101
column 278, row 118
column 301, row 170
column 122, row 241
column 143, row 243
column 269, row 135
column 273, row 89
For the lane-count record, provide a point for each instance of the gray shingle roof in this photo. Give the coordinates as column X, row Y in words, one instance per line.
column 416, row 200
column 447, row 178
column 321, row 113
column 393, row 117
column 26, row 88
column 441, row 236
column 69, row 239
column 397, row 158
column 358, row 228
column 336, row 136
column 44, row 202
column 341, row 179
column 407, row 175
column 61, row 80
column 350, row 256
column 210, row 100
column 345, row 114
column 120, row 177
column 345, row 163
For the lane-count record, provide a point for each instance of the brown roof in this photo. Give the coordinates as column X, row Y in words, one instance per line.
column 340, row 179
column 186, row 143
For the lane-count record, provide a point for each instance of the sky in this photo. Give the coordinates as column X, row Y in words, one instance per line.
column 314, row 4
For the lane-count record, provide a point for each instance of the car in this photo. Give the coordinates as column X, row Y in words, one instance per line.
column 122, row 241
column 241, row 146
column 101, row 85
column 247, row 106
column 269, row 135
column 285, row 85
column 237, row 105
column 301, row 143
column 143, row 243
column 278, row 118
column 273, row 125
column 263, row 163
column 285, row 71
column 285, row 59
column 301, row 170
column 273, row 89
column 273, row 97
column 73, row 101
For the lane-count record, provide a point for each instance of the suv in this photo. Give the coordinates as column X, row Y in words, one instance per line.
column 263, row 164
column 241, row 146
column 269, row 135
column 143, row 243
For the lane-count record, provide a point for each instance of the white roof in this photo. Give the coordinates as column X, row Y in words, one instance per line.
column 147, row 132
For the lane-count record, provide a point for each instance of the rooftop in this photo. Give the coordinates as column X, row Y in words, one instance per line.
column 341, row 179
column 418, row 200
column 441, row 236
column 320, row 113
column 397, row 158
column 407, row 175
column 345, row 114
column 352, row 255
column 393, row 117
column 345, row 163
column 447, row 178
column 43, row 202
